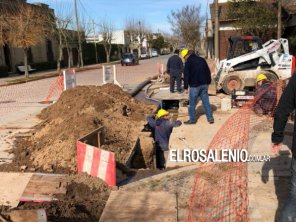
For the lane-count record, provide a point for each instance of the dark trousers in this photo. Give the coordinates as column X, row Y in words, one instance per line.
column 288, row 212
column 160, row 160
column 174, row 79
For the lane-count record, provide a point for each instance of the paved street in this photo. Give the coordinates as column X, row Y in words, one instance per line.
column 19, row 101
column 19, row 104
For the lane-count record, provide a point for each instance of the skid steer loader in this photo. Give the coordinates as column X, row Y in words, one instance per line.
column 248, row 57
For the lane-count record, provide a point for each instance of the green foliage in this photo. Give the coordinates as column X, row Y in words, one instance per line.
column 3, row 71
column 89, row 56
column 251, row 17
column 158, row 43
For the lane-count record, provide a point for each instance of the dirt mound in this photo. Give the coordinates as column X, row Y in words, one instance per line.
column 52, row 146
column 85, row 200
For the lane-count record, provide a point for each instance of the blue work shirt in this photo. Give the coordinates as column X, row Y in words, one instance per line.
column 163, row 129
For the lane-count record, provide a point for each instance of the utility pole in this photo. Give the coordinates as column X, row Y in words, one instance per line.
column 95, row 40
column 207, row 31
column 216, row 30
column 78, row 32
column 279, row 32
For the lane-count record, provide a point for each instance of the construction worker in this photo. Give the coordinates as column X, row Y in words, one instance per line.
column 286, row 105
column 198, row 76
column 265, row 96
column 175, row 70
column 162, row 131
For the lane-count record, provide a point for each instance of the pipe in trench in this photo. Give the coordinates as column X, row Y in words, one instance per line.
column 139, row 87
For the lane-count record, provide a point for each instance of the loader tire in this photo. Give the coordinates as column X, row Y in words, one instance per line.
column 271, row 77
column 232, row 83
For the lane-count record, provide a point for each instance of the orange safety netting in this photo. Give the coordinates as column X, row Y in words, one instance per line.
column 56, row 87
column 220, row 190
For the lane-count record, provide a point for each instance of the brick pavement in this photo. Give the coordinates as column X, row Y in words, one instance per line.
column 16, row 100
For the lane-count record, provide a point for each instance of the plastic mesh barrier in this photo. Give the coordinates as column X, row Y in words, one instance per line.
column 220, row 190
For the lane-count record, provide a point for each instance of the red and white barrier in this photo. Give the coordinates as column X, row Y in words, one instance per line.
column 96, row 162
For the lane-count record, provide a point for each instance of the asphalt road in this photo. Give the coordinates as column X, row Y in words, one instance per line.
column 17, row 102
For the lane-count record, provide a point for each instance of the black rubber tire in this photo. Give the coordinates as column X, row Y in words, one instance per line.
column 228, row 81
column 271, row 76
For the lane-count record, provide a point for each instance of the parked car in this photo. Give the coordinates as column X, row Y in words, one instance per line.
column 144, row 56
column 154, row 53
column 129, row 59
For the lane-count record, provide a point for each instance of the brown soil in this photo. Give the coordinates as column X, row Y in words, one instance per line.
column 84, row 200
column 52, row 146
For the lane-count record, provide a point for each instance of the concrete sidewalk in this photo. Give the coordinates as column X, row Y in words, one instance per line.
column 15, row 78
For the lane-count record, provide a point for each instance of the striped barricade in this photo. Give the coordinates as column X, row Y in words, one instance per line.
column 95, row 161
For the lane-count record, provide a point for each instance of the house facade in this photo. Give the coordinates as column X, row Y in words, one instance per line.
column 121, row 37
column 45, row 52
column 227, row 29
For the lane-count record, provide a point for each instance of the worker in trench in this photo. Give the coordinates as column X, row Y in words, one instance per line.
column 265, row 96
column 163, row 128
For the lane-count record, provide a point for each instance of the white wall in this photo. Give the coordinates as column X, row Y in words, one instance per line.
column 118, row 37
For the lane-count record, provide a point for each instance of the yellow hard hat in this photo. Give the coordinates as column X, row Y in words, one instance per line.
column 260, row 77
column 161, row 113
column 184, row 52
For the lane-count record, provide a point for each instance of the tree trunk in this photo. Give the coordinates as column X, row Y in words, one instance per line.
column 26, row 63
column 81, row 57
column 109, row 53
column 96, row 53
column 59, row 59
column 60, row 53
column 108, row 57
column 279, row 32
column 69, row 57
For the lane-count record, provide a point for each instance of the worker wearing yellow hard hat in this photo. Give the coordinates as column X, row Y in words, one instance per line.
column 162, row 113
column 261, row 77
column 163, row 128
column 197, row 77
column 184, row 53
column 265, row 96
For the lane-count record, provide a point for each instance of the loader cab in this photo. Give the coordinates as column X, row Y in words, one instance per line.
column 241, row 45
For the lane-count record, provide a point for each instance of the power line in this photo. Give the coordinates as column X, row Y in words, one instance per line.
column 78, row 32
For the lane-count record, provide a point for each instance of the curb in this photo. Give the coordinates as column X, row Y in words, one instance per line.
column 54, row 74
column 158, row 176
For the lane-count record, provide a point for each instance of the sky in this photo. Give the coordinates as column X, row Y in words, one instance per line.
column 153, row 12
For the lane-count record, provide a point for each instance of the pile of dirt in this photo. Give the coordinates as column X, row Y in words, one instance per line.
column 52, row 146
column 84, row 200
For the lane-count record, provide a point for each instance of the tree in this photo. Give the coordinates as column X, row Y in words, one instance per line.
column 26, row 26
column 186, row 24
column 158, row 43
column 251, row 17
column 106, row 30
column 3, row 29
column 137, row 31
column 60, row 29
column 172, row 41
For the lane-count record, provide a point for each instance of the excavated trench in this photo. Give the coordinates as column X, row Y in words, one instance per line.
column 139, row 166
column 76, row 206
